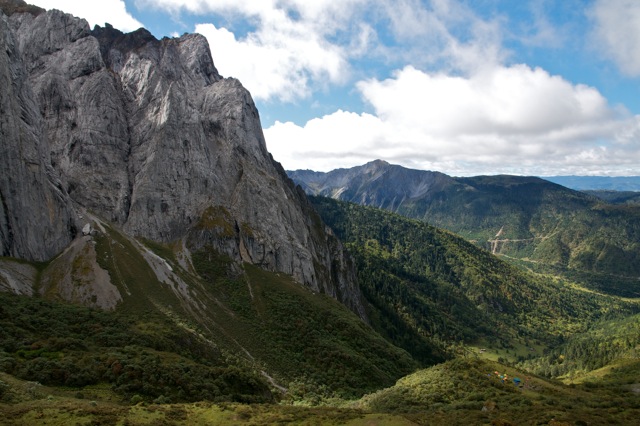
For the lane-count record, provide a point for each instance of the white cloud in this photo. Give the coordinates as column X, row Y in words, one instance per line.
column 505, row 120
column 113, row 12
column 290, row 50
column 617, row 32
column 296, row 47
column 341, row 139
column 508, row 100
column 444, row 33
column 275, row 65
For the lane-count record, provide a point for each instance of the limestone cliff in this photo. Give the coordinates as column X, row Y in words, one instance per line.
column 146, row 134
column 36, row 218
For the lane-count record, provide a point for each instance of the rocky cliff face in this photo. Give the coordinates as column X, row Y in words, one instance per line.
column 36, row 217
column 147, row 134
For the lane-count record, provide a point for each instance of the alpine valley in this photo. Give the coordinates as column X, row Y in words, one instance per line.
column 159, row 267
column 526, row 220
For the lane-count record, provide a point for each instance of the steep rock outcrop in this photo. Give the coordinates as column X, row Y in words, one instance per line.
column 36, row 217
column 80, row 102
column 148, row 135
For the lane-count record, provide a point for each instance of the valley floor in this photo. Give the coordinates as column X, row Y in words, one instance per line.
column 458, row 392
column 67, row 412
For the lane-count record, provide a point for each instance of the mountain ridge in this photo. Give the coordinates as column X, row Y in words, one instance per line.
column 539, row 223
column 592, row 183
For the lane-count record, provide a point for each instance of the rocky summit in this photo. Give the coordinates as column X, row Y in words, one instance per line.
column 146, row 135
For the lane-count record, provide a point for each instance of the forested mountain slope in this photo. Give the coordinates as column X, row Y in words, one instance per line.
column 420, row 280
column 544, row 225
column 606, row 342
column 616, row 197
column 425, row 289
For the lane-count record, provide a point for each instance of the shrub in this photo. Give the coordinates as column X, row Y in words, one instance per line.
column 162, row 400
column 4, row 389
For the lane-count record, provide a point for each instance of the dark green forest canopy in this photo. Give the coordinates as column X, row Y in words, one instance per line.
column 65, row 345
column 426, row 282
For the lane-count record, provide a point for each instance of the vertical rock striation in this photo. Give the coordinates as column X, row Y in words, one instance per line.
column 36, row 217
column 148, row 135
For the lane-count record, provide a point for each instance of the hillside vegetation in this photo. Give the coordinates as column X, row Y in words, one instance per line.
column 474, row 391
column 220, row 332
column 423, row 281
column 603, row 344
column 616, row 197
column 256, row 337
column 142, row 357
column 529, row 221
column 458, row 392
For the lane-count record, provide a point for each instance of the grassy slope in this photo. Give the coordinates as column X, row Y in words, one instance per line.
column 468, row 391
column 462, row 391
column 309, row 340
column 211, row 341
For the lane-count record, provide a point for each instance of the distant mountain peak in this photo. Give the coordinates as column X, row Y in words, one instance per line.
column 377, row 163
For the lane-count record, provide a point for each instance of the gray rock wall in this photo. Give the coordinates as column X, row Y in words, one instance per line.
column 148, row 135
column 36, row 217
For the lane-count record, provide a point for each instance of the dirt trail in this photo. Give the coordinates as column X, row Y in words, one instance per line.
column 273, row 382
column 495, row 242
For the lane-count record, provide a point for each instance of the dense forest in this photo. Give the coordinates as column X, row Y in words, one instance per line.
column 422, row 280
column 604, row 343
column 142, row 357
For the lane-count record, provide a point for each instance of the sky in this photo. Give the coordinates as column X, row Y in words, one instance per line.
column 464, row 87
